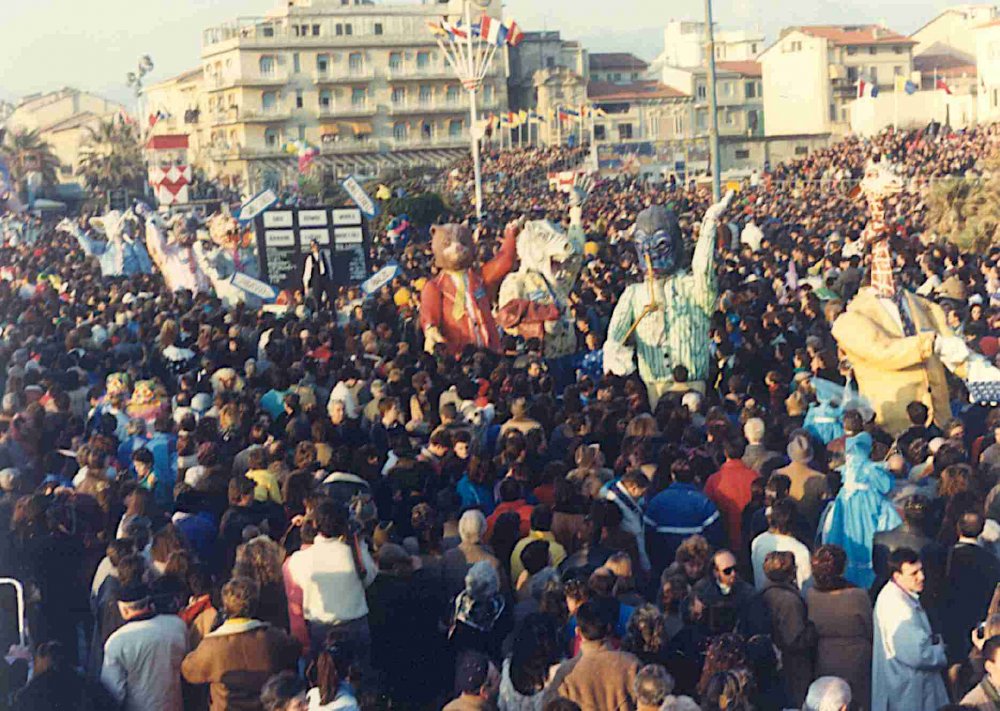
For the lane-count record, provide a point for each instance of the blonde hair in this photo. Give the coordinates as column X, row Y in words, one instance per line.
column 259, row 559
column 168, row 333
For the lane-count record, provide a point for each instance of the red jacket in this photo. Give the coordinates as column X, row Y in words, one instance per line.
column 520, row 507
column 729, row 490
column 437, row 302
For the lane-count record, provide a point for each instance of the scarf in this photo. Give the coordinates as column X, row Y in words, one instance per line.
column 991, row 693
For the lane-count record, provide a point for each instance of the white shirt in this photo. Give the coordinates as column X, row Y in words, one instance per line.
column 341, row 391
column 332, row 591
column 769, row 542
column 343, row 701
column 142, row 664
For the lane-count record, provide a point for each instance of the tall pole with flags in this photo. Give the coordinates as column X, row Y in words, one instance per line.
column 713, row 105
column 469, row 49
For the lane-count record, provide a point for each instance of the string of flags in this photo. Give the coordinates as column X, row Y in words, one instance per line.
column 515, row 119
column 489, row 30
column 867, row 89
column 160, row 115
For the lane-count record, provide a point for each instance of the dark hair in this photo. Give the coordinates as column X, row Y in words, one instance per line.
column 782, row 513
column 900, row 557
column 280, row 689
column 592, row 622
column 541, row 518
column 143, row 455
column 828, row 564
column 331, row 666
column 535, row 648
column 917, row 412
column 970, row 524
column 990, row 648
column 510, row 489
column 733, row 448
column 853, row 422
column 779, row 566
column 331, row 519
column 561, row 703
column 535, row 556
column 780, row 484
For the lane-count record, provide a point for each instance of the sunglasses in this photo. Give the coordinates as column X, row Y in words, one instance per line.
column 728, row 571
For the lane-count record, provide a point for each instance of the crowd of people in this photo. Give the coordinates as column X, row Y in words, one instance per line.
column 220, row 508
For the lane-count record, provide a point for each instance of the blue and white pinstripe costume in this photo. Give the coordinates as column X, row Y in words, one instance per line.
column 677, row 332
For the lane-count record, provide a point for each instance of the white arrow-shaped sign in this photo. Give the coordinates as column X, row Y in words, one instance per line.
column 256, row 205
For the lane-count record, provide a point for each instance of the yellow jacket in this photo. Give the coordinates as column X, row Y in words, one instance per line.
column 894, row 370
column 556, row 552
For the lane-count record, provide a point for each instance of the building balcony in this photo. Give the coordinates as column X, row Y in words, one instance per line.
column 442, row 73
column 410, row 108
column 274, row 35
column 265, row 115
column 276, row 78
column 348, row 144
column 365, row 108
column 421, row 142
column 350, row 76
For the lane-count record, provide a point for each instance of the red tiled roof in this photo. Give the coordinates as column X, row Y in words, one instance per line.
column 946, row 65
column 991, row 23
column 602, row 61
column 606, row 91
column 750, row 69
column 855, row 34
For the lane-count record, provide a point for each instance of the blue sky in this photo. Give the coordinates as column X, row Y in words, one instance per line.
column 92, row 44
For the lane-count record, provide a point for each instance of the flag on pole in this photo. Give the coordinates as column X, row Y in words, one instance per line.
column 438, row 29
column 489, row 30
column 867, row 89
column 905, row 85
column 940, row 85
column 160, row 115
column 514, row 34
column 522, row 117
column 599, row 112
column 454, row 29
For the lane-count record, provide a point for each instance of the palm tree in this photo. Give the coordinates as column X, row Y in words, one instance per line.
column 966, row 210
column 111, row 158
column 25, row 152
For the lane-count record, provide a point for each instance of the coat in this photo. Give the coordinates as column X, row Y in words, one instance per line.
column 906, row 666
column 729, row 489
column 894, row 370
column 597, row 679
column 809, row 489
column 237, row 659
column 438, row 306
column 843, row 620
column 793, row 633
column 973, row 574
column 142, row 663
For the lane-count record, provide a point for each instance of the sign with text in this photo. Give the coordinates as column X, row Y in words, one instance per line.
column 256, row 205
column 285, row 236
column 362, row 199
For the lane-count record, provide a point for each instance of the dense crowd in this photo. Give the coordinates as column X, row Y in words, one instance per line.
column 224, row 508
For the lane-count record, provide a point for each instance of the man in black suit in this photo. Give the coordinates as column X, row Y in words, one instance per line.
column 316, row 274
column 973, row 573
column 911, row 534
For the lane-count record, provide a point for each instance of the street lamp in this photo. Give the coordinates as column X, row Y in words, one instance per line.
column 134, row 79
column 713, row 105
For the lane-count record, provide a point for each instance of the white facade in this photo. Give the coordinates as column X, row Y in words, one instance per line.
column 739, row 95
column 364, row 81
column 953, row 31
column 988, row 68
column 684, row 42
column 911, row 111
column 811, row 74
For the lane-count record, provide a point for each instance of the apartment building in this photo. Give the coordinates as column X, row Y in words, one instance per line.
column 364, row 81
column 62, row 118
column 178, row 104
column 537, row 51
column 684, row 45
column 811, row 74
column 616, row 68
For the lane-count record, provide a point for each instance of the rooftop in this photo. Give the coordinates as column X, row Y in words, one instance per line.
column 944, row 65
column 606, row 91
column 602, row 61
column 750, row 69
column 852, row 34
column 76, row 121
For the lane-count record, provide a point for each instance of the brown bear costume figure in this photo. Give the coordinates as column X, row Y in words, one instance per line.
column 456, row 306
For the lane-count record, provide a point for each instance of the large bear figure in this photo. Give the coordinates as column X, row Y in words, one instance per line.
column 456, row 306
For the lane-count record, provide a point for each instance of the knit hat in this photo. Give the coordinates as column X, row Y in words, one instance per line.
column 799, row 449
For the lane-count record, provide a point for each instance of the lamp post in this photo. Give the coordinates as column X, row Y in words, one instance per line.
column 713, row 105
column 134, row 81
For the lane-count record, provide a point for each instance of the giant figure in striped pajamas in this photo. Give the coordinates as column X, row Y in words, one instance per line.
column 668, row 313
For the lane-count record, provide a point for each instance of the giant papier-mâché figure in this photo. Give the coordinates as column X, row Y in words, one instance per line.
column 456, row 306
column 668, row 313
column 122, row 252
column 176, row 252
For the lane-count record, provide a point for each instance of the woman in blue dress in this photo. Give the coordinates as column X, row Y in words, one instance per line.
column 861, row 509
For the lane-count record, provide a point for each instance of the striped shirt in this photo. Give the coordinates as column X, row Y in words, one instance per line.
column 677, row 333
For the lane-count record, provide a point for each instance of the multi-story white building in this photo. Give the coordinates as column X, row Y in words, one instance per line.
column 953, row 31
column 684, row 45
column 988, row 69
column 180, row 101
column 364, row 81
column 811, row 74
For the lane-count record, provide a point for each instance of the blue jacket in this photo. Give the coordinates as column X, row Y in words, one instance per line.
column 163, row 447
column 475, row 495
column 677, row 512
